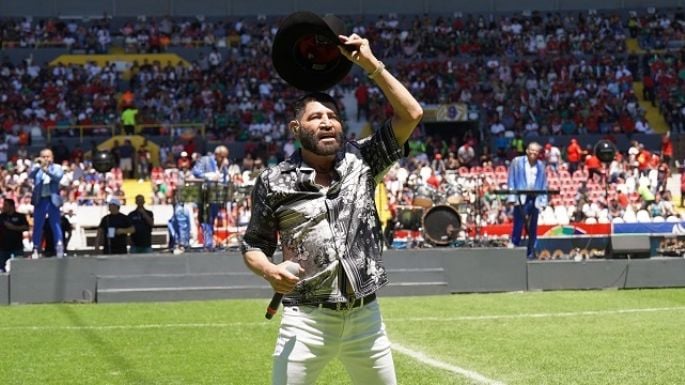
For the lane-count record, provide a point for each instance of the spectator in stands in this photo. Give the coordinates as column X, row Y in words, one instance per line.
column 129, row 119
column 573, row 153
column 593, row 166
column 114, row 230
column 212, row 169
column 143, row 221
column 615, row 209
column 527, row 173
column 46, row 200
column 466, row 155
column 553, row 156
column 12, row 227
column 126, row 153
column 646, row 193
column 667, row 148
column 666, row 204
column 143, row 162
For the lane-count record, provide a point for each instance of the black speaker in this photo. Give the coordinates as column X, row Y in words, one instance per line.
column 628, row 246
column 605, row 151
column 103, row 161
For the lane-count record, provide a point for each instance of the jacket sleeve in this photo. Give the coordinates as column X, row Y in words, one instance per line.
column 55, row 173
column 198, row 169
column 34, row 171
column 541, row 184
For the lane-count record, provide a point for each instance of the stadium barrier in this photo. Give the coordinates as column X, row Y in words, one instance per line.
column 200, row 276
column 4, row 289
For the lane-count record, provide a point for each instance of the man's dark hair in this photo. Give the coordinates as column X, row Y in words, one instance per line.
column 320, row 97
column 8, row 201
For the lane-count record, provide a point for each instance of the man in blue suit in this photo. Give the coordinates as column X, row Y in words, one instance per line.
column 526, row 172
column 212, row 169
column 46, row 201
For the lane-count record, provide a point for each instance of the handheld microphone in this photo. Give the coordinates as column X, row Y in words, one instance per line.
column 293, row 268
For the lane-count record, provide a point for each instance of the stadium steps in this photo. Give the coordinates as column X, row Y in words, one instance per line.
column 654, row 117
column 168, row 277
column 417, row 281
column 131, row 188
column 194, row 276
column 173, row 287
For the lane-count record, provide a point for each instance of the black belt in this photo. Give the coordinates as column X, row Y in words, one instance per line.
column 359, row 302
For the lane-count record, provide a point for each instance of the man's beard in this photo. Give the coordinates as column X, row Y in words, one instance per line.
column 310, row 142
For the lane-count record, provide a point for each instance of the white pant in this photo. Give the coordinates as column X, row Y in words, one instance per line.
column 311, row 337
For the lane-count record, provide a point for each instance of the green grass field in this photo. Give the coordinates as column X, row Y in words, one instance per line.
column 587, row 337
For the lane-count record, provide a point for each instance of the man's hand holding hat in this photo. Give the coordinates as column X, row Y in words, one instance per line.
column 357, row 50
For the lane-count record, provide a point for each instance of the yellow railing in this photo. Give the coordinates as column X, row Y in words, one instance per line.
column 158, row 128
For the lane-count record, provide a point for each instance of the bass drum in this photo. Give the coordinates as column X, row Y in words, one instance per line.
column 441, row 225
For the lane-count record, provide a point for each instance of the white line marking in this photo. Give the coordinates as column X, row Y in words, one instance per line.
column 536, row 315
column 425, row 359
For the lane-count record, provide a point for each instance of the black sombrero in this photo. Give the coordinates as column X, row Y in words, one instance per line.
column 305, row 51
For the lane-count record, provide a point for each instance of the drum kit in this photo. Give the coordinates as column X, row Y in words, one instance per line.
column 438, row 214
column 449, row 216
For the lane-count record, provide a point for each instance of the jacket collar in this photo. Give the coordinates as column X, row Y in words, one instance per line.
column 295, row 162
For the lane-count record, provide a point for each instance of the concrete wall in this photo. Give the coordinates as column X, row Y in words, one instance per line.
column 198, row 276
column 4, row 289
column 134, row 8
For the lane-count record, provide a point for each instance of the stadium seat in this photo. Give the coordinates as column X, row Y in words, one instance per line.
column 629, row 216
column 617, row 220
column 561, row 214
column 591, row 221
column 658, row 219
column 672, row 219
column 603, row 217
column 548, row 217
column 642, row 216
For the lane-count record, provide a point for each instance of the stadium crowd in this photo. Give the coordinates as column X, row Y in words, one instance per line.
column 537, row 74
column 564, row 73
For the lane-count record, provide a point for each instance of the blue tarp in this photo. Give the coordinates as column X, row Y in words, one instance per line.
column 650, row 228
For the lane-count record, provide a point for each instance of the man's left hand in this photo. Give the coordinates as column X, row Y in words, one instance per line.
column 358, row 51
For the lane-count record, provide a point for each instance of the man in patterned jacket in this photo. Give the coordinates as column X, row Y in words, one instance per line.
column 320, row 204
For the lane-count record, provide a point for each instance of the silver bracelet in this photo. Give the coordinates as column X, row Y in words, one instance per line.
column 377, row 71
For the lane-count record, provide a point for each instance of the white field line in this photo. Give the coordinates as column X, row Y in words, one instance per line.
column 386, row 319
column 536, row 315
column 416, row 355
column 425, row 359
